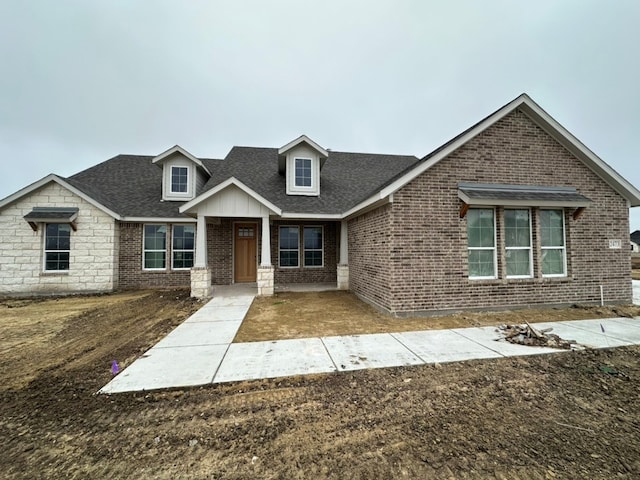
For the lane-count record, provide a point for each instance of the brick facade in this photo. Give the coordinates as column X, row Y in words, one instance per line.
column 130, row 260
column 426, row 239
column 324, row 274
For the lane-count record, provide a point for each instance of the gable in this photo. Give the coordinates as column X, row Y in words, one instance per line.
column 230, row 201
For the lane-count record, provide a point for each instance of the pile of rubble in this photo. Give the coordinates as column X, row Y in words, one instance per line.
column 527, row 335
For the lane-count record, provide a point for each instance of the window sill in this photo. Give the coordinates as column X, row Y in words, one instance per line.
column 520, row 281
column 61, row 273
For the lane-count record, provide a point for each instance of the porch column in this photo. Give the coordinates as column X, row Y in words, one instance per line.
column 200, row 273
column 343, row 264
column 265, row 270
column 266, row 243
column 201, row 243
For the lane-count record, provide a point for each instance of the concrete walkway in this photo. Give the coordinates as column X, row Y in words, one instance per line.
column 199, row 351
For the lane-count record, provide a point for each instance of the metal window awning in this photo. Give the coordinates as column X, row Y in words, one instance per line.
column 52, row 215
column 520, row 196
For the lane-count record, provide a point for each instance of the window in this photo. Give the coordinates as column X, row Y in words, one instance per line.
column 313, row 252
column 289, row 246
column 552, row 241
column 57, row 245
column 155, row 247
column 179, row 179
column 482, row 243
column 517, row 242
column 303, row 172
column 183, row 246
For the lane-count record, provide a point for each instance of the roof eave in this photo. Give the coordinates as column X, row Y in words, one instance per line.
column 60, row 181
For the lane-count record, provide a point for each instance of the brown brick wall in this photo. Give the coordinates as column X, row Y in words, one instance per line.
column 131, row 274
column 325, row 274
column 427, row 250
column 369, row 247
column 220, row 251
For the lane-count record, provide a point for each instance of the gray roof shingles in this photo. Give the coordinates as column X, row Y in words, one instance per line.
column 131, row 186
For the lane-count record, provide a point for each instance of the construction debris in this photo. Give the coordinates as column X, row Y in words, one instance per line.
column 527, row 335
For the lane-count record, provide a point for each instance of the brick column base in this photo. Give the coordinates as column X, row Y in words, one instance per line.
column 265, row 281
column 201, row 282
column 343, row 277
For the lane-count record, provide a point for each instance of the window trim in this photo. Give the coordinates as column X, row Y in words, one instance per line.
column 171, row 190
column 507, row 249
column 295, row 175
column 280, row 227
column 174, row 250
column 563, row 248
column 321, row 249
column 494, row 248
column 45, row 251
column 144, row 250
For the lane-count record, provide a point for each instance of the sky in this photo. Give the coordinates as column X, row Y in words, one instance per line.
column 81, row 82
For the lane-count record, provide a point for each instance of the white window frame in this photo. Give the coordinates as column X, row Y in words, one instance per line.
column 297, row 227
column 321, row 249
column 295, row 176
column 494, row 248
column 47, row 251
column 508, row 249
column 174, row 250
column 175, row 192
column 144, row 250
column 563, row 248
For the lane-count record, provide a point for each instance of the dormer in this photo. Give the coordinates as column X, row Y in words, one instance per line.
column 182, row 174
column 301, row 161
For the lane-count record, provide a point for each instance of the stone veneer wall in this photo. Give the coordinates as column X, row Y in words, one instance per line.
column 92, row 257
column 427, row 264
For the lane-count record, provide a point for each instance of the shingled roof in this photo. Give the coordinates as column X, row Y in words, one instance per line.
column 131, row 185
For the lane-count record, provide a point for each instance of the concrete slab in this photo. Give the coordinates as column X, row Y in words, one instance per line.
column 215, row 313
column 168, row 368
column 281, row 358
column 592, row 338
column 440, row 346
column 356, row 352
column 238, row 301
column 487, row 336
column 617, row 328
column 201, row 333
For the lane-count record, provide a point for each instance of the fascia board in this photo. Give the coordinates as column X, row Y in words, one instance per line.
column 299, row 140
column 182, row 151
column 158, row 219
column 311, row 216
column 218, row 188
column 580, row 150
column 55, row 178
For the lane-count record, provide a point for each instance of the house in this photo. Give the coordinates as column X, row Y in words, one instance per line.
column 635, row 242
column 514, row 211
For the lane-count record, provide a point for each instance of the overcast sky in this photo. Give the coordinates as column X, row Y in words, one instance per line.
column 82, row 81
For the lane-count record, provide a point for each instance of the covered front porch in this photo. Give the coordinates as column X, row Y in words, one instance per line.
column 243, row 239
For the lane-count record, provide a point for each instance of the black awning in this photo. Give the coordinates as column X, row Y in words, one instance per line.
column 521, row 195
column 51, row 215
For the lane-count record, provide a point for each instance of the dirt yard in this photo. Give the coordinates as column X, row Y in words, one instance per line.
column 314, row 314
column 570, row 415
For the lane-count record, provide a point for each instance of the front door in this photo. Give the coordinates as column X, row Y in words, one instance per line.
column 245, row 262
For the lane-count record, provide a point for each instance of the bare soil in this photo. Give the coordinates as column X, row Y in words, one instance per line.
column 570, row 415
column 316, row 314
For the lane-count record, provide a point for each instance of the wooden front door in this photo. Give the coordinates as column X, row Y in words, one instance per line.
column 245, row 262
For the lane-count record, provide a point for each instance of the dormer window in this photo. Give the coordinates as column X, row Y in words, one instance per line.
column 300, row 162
column 303, row 172
column 182, row 173
column 179, row 179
